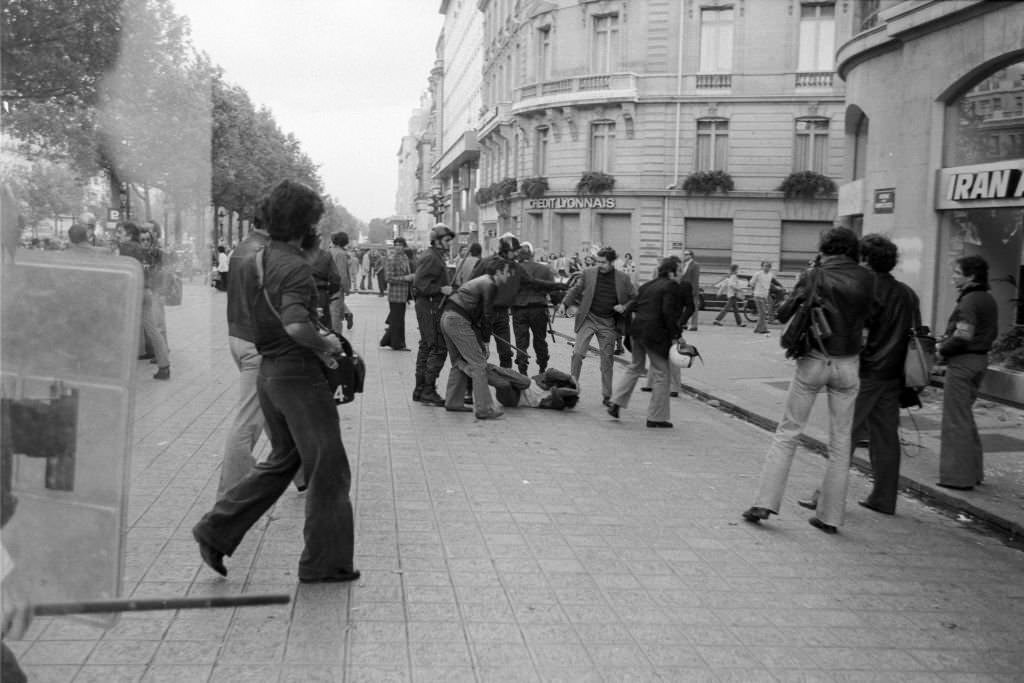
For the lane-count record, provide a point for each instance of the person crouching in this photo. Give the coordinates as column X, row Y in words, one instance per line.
column 466, row 325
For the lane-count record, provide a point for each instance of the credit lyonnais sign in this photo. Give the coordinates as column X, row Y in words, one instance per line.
column 572, row 203
column 982, row 186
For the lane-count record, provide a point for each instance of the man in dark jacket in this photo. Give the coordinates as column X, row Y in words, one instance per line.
column 881, row 373
column 658, row 312
column 430, row 285
column 505, row 298
column 846, row 291
column 530, row 310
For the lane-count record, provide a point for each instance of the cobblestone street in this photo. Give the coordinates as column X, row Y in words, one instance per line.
column 547, row 546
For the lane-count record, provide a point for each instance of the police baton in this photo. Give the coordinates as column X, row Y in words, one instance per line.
column 53, row 609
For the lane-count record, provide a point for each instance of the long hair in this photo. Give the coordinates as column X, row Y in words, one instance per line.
column 294, row 209
column 976, row 267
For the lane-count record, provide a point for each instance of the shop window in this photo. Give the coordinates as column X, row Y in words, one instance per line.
column 860, row 147
column 716, row 40
column 710, row 240
column 981, row 124
column 712, row 144
column 602, row 146
column 810, row 147
column 800, row 241
column 817, row 37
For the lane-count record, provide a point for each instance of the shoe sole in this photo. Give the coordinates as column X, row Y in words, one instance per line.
column 341, row 578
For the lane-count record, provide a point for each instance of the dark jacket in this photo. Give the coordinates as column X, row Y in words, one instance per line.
column 885, row 350
column 846, row 291
column 431, row 274
column 657, row 314
column 533, row 292
column 518, row 278
column 242, row 286
column 581, row 293
column 977, row 307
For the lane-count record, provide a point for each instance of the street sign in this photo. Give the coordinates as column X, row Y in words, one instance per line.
column 885, row 200
column 113, row 215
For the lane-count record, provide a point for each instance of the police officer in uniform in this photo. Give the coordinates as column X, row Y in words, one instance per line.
column 430, row 285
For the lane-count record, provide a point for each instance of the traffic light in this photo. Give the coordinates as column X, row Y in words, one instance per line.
column 438, row 205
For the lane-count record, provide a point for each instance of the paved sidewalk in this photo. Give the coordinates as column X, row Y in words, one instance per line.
column 547, row 546
column 748, row 375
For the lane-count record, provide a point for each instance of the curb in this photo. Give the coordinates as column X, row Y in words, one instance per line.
column 948, row 503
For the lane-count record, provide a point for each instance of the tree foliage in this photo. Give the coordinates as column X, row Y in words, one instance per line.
column 116, row 86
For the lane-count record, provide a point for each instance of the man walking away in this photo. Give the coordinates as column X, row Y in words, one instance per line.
column 733, row 290
column 301, row 416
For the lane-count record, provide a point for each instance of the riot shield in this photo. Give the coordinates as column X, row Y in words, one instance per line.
column 69, row 333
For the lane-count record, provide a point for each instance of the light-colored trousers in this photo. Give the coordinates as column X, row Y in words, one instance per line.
column 839, row 374
column 606, row 336
column 249, row 421
column 658, row 379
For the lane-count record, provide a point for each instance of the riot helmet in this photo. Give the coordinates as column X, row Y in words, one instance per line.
column 439, row 232
column 508, row 245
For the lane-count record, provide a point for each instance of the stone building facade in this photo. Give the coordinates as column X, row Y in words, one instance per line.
column 935, row 138
column 650, row 93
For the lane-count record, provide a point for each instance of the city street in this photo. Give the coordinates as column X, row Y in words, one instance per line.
column 547, row 546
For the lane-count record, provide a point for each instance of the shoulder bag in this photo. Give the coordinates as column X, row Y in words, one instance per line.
column 345, row 371
column 917, row 368
column 808, row 327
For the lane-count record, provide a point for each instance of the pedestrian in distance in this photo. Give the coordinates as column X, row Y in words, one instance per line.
column 972, row 328
column 761, row 285
column 657, row 314
column 430, row 287
column 130, row 245
column 343, row 263
column 846, row 291
column 877, row 409
column 466, row 263
column 223, row 268
column 733, row 288
column 598, row 297
column 691, row 275
column 466, row 323
column 399, row 280
column 296, row 399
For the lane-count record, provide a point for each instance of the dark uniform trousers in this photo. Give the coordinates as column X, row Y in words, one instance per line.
column 527, row 321
column 302, row 423
column 502, row 331
column 432, row 350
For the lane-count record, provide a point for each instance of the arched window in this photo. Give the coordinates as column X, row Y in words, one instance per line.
column 986, row 123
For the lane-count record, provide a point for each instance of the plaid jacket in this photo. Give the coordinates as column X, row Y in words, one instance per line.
column 395, row 269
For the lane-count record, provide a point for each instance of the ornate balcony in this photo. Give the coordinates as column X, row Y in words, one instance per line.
column 814, row 79
column 714, row 81
column 575, row 90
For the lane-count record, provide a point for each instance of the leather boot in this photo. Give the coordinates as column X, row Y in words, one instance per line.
column 430, row 397
column 418, row 391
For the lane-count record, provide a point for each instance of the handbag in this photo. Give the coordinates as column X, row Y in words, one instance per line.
column 917, row 367
column 808, row 325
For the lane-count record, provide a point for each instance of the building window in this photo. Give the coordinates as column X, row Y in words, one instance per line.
column 979, row 128
column 799, row 246
column 817, row 37
column 602, row 146
column 716, row 40
column 544, row 53
column 710, row 239
column 712, row 144
column 860, row 148
column 540, row 151
column 606, row 44
column 811, row 145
